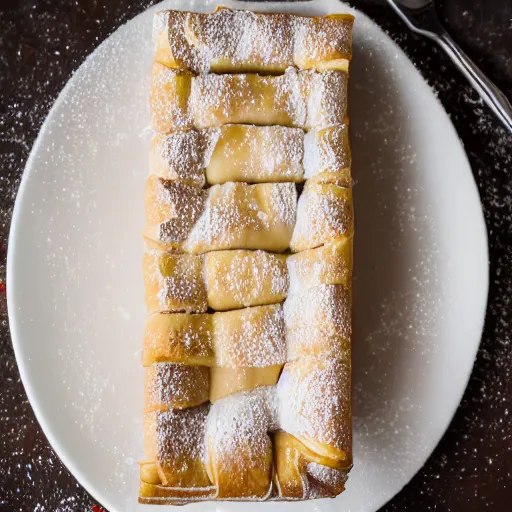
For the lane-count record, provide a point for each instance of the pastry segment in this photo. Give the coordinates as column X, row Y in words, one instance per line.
column 324, row 213
column 240, row 216
column 245, row 349
column 224, row 280
column 229, row 41
column 299, row 475
column 250, row 337
column 221, row 280
column 175, row 386
column 239, row 448
column 173, row 445
column 254, row 154
column 301, row 99
column 326, row 330
column 316, row 408
column 229, row 216
column 310, row 413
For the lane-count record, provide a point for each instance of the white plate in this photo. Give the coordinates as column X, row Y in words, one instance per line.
column 74, row 280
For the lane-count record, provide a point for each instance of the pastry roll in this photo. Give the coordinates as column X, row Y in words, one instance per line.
column 245, row 349
column 174, row 447
column 236, row 279
column 315, row 406
column 328, row 264
column 229, row 216
column 324, row 213
column 298, row 474
column 250, row 337
column 247, row 346
column 239, row 449
column 254, row 154
column 227, row 41
column 176, row 386
column 224, row 280
column 174, row 282
column 301, row 99
column 325, row 330
column 178, row 338
column 327, row 157
column 172, row 210
column 220, row 280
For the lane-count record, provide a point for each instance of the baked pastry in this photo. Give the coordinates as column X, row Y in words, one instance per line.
column 229, row 216
column 220, row 280
column 253, row 154
column 248, row 269
column 224, row 280
column 236, row 215
column 301, row 99
column 229, row 41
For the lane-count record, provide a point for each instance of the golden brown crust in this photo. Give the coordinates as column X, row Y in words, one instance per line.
column 174, row 282
column 236, row 279
column 221, row 280
column 300, row 99
column 316, row 394
column 151, row 494
column 231, row 216
column 325, row 213
column 228, row 381
column 173, row 447
column 226, row 280
column 249, row 337
column 178, row 338
column 175, row 386
column 239, row 449
column 227, row 41
column 253, row 154
column 252, row 402
column 298, row 473
column 326, row 331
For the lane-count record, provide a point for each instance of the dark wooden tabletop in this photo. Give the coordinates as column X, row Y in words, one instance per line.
column 43, row 42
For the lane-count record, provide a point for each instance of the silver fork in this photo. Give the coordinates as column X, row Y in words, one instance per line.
column 420, row 16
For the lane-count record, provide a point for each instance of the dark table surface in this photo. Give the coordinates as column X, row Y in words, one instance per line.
column 43, row 42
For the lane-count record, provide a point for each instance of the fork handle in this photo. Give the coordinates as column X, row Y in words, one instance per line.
column 494, row 98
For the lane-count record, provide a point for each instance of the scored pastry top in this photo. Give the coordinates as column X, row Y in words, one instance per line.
column 227, row 41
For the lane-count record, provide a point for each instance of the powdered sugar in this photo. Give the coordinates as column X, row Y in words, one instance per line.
column 324, row 212
column 179, row 435
column 175, row 207
column 324, row 480
column 238, row 215
column 253, row 154
column 316, row 401
column 238, row 442
column 245, row 278
column 302, row 99
column 176, row 386
column 252, row 337
column 327, row 150
column 326, row 330
column 237, row 41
